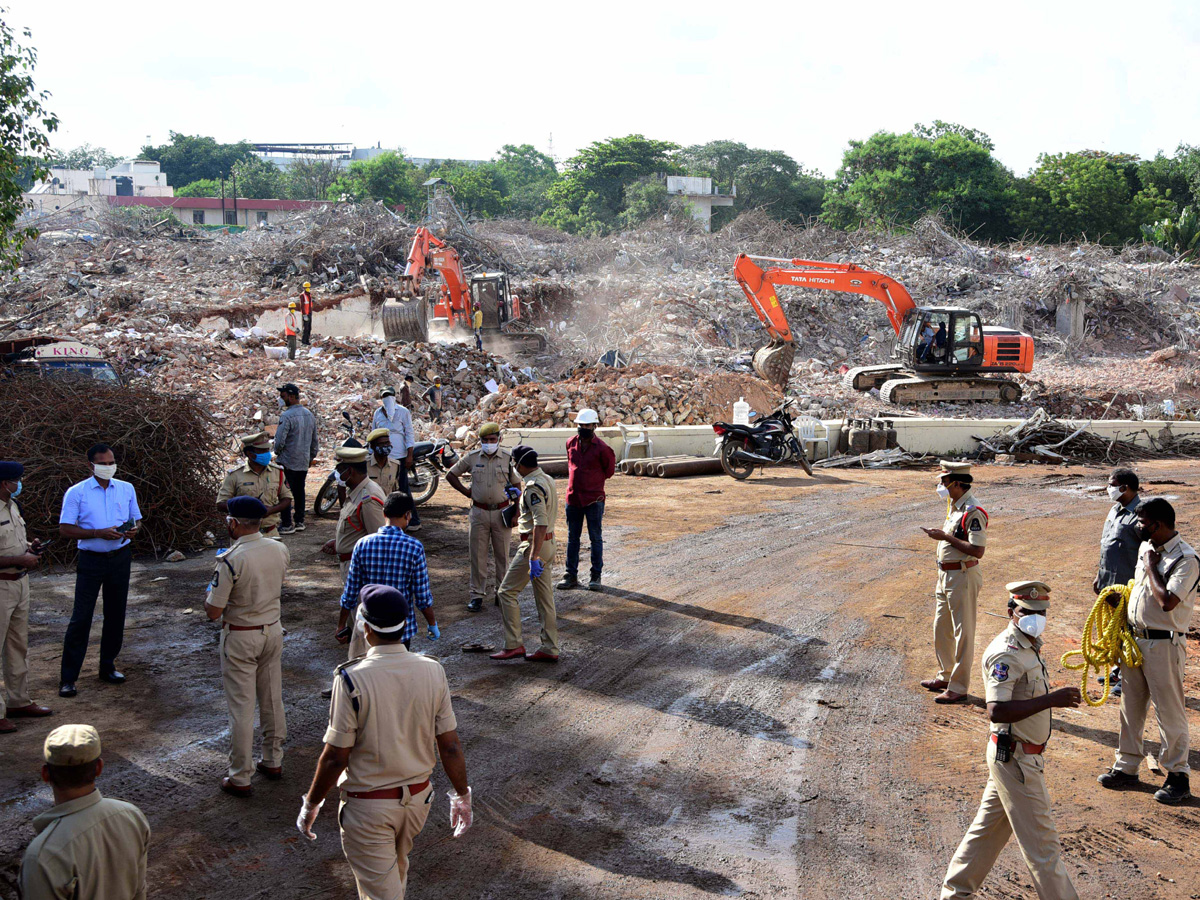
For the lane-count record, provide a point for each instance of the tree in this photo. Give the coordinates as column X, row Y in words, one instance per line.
column 258, row 179
column 189, row 158
column 765, row 179
column 205, row 187
column 644, row 199
column 475, row 187
column 25, row 128
column 939, row 129
column 897, row 178
column 590, row 195
column 85, row 156
column 1174, row 178
column 525, row 175
column 310, row 178
column 388, row 177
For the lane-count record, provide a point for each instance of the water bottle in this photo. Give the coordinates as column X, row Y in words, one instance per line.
column 1169, row 409
column 741, row 412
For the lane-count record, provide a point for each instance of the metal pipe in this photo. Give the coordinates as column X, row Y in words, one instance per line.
column 699, row 465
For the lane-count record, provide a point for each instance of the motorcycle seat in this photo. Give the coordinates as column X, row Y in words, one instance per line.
column 422, row 448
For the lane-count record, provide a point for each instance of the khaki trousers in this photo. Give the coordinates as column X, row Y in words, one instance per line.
column 543, row 595
column 251, row 669
column 1158, row 681
column 489, row 540
column 377, row 836
column 1015, row 802
column 954, row 626
column 14, row 632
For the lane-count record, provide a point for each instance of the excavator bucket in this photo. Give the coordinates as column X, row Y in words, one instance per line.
column 406, row 320
column 774, row 362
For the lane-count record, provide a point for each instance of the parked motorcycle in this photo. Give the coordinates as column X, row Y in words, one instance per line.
column 430, row 459
column 771, row 441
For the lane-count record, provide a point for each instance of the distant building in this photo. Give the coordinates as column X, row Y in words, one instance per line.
column 701, row 194
column 208, row 212
column 131, row 178
column 283, row 156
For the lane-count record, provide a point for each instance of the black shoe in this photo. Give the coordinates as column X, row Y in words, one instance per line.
column 1115, row 780
column 327, row 693
column 475, row 605
column 113, row 677
column 569, row 583
column 595, row 585
column 1176, row 789
column 67, row 689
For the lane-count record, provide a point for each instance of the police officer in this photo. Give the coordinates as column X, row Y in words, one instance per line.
column 88, row 846
column 535, row 555
column 390, row 710
column 244, row 594
column 381, row 468
column 961, row 542
column 258, row 477
column 362, row 511
column 1159, row 613
column 1015, row 801
column 494, row 485
column 17, row 557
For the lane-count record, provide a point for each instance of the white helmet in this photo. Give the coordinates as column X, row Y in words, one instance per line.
column 587, row 417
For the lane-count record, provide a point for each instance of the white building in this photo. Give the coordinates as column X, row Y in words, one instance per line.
column 131, row 178
column 699, row 192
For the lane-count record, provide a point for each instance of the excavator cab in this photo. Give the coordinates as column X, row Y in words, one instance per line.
column 936, row 338
column 490, row 292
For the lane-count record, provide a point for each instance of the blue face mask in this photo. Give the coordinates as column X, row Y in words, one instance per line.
column 262, row 458
column 17, row 493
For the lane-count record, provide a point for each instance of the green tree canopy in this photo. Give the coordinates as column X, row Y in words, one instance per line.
column 258, row 179
column 765, row 179
column 310, row 178
column 204, row 187
column 85, row 156
column 25, row 128
column 525, row 175
column 590, row 196
column 388, row 177
column 897, row 178
column 189, row 157
column 476, row 188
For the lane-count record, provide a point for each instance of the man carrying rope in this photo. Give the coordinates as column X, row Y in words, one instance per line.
column 1119, row 543
column 1158, row 613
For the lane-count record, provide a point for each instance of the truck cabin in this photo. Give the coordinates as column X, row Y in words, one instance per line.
column 937, row 336
column 52, row 358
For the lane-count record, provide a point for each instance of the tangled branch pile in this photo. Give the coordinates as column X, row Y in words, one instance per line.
column 1042, row 438
column 166, row 445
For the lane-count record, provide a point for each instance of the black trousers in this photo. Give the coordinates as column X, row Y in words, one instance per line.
column 94, row 573
column 402, row 485
column 306, row 331
column 295, row 481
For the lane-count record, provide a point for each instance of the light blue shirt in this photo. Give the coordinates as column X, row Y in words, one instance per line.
column 400, row 426
column 89, row 505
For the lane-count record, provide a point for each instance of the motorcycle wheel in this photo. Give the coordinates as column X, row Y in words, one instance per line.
column 423, row 482
column 734, row 468
column 805, row 464
column 326, row 499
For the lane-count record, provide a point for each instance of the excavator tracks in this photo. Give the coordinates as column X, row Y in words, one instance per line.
column 914, row 389
column 863, row 378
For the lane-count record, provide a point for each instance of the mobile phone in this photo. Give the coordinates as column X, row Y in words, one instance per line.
column 128, row 525
column 344, row 633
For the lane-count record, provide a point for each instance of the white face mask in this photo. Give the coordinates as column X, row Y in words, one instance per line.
column 943, row 492
column 1114, row 493
column 490, row 449
column 389, row 405
column 104, row 472
column 1032, row 625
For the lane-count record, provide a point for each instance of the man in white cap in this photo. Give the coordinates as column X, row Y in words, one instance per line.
column 1015, row 801
column 88, row 847
column 961, row 543
column 389, row 722
column 590, row 463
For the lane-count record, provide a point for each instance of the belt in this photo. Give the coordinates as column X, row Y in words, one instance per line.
column 492, row 507
column 250, row 627
column 12, row 576
column 396, row 793
column 1153, row 634
column 528, row 536
column 106, row 552
column 956, row 566
column 345, row 557
column 268, row 530
column 1031, row 749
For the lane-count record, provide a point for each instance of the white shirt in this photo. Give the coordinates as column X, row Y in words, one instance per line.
column 399, row 426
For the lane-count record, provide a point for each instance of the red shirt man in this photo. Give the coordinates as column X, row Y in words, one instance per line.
column 590, row 462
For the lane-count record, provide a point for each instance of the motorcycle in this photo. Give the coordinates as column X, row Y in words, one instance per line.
column 771, row 441
column 430, row 458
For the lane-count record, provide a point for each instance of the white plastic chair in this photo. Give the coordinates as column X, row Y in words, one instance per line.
column 640, row 439
column 806, row 430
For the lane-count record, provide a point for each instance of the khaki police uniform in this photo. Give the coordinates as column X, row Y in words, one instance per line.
column 1162, row 638
column 89, row 848
column 14, row 611
column 270, row 486
column 958, row 584
column 362, row 514
column 539, row 506
column 389, row 707
column 1015, row 801
column 386, row 476
column 246, row 584
column 487, row 535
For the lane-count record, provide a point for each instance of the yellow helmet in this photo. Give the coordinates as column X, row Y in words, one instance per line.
column 292, row 304
column 307, row 285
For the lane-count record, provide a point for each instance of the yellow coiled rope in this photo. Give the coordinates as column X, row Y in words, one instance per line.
column 1107, row 641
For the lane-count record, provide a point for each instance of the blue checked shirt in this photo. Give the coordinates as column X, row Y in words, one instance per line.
column 391, row 557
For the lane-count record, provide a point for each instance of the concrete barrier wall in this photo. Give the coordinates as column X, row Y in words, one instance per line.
column 917, row 435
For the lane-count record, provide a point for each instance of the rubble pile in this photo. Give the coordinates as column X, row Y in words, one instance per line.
column 637, row 395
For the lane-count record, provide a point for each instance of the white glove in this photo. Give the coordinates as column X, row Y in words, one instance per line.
column 460, row 811
column 308, row 815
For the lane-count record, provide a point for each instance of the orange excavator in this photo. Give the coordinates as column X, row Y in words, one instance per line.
column 940, row 353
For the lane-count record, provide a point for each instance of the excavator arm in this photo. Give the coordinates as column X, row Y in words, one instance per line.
column 758, row 281
column 430, row 252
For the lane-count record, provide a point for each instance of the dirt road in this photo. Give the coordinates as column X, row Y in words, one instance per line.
column 736, row 714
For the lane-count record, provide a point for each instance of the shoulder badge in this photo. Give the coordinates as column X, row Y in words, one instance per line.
column 1000, row 671
column 976, row 525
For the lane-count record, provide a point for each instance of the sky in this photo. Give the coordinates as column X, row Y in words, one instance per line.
column 804, row 78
